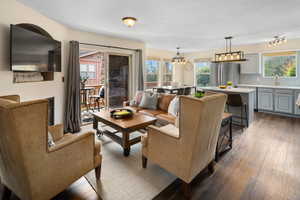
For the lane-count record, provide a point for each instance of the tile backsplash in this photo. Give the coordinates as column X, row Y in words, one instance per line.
column 260, row 80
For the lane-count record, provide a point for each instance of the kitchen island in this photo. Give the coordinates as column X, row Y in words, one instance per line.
column 248, row 97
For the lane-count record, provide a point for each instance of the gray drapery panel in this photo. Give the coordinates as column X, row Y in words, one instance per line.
column 140, row 70
column 72, row 107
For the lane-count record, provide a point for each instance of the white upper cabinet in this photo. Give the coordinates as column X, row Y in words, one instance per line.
column 251, row 66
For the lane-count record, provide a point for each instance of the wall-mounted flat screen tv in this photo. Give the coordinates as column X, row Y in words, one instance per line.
column 31, row 51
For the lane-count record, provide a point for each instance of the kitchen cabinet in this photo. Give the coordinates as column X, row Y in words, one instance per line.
column 277, row 99
column 284, row 100
column 265, row 99
column 297, row 109
column 251, row 66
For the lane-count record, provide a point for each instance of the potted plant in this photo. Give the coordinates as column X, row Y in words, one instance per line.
column 199, row 94
column 83, row 80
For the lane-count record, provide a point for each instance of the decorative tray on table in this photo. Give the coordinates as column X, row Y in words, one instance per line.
column 121, row 113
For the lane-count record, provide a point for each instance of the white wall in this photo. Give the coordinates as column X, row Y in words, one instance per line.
column 293, row 44
column 13, row 12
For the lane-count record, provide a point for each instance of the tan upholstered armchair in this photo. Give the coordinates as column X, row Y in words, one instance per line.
column 28, row 167
column 187, row 150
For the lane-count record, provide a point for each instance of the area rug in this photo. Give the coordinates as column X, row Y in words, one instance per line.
column 124, row 178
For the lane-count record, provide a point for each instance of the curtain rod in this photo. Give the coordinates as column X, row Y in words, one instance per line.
column 114, row 47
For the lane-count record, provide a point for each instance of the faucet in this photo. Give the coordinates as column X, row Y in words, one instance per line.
column 276, row 80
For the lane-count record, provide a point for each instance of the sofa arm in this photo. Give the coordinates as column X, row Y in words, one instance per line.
column 57, row 131
column 74, row 140
column 161, row 132
column 158, row 142
column 12, row 98
column 70, row 159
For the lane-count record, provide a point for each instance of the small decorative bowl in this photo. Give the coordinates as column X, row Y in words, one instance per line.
column 121, row 113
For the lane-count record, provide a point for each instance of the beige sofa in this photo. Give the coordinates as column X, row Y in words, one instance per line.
column 162, row 109
column 187, row 150
column 28, row 166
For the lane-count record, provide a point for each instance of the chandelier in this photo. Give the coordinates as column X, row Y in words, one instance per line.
column 179, row 59
column 229, row 56
column 277, row 41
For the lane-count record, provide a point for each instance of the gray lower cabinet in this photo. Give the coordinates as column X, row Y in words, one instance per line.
column 278, row 100
column 265, row 99
column 284, row 103
column 297, row 109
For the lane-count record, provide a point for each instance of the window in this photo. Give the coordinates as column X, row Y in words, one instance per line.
column 281, row 64
column 202, row 73
column 167, row 73
column 88, row 71
column 152, row 67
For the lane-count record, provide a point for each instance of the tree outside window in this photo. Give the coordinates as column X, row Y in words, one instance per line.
column 202, row 72
column 152, row 67
column 167, row 73
column 282, row 64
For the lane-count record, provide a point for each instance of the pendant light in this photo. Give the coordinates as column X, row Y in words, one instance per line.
column 229, row 56
column 179, row 59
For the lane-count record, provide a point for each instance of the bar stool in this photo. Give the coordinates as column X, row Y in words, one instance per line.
column 160, row 90
column 180, row 91
column 235, row 100
column 187, row 91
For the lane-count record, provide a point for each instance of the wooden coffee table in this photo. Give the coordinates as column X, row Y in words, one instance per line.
column 125, row 126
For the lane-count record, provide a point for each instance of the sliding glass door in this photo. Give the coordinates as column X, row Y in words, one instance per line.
column 118, row 79
column 104, row 80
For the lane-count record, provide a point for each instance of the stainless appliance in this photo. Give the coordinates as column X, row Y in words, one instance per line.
column 221, row 73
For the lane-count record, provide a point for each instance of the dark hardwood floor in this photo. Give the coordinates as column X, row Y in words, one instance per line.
column 264, row 164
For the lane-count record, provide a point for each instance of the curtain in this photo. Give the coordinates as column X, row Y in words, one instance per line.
column 140, row 70
column 72, row 119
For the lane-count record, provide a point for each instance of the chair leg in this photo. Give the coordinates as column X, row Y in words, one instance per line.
column 6, row 193
column 144, row 159
column 242, row 117
column 187, row 190
column 98, row 172
column 211, row 167
column 246, row 113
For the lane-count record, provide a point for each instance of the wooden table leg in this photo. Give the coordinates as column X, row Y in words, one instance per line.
column 126, row 145
column 95, row 126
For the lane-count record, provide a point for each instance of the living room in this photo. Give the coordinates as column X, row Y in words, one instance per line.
column 143, row 100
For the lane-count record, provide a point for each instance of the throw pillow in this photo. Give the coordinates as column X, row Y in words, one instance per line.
column 149, row 101
column 137, row 99
column 173, row 108
column 50, row 140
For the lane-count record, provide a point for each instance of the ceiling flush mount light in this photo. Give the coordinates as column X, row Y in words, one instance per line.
column 179, row 59
column 229, row 56
column 277, row 41
column 129, row 21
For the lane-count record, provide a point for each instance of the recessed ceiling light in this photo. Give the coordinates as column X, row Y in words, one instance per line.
column 129, row 21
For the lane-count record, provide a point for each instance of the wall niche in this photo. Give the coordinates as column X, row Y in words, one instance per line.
column 53, row 55
column 26, row 77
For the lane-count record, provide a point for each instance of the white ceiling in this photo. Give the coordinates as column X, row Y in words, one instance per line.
column 191, row 24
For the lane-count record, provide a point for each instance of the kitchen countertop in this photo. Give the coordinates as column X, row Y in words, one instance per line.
column 270, row 86
column 231, row 90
